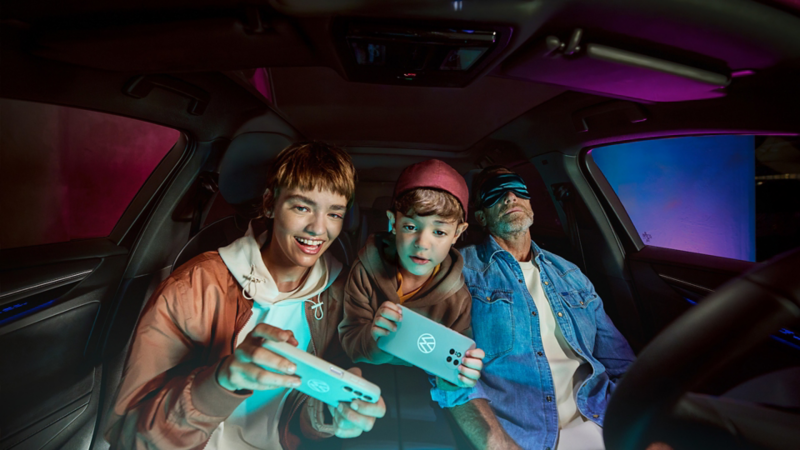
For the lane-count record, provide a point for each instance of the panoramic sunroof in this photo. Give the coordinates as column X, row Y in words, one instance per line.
column 416, row 54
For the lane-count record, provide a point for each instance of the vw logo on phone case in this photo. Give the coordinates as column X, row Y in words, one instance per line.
column 319, row 386
column 426, row 343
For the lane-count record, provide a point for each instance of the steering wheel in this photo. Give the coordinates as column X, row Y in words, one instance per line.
column 652, row 407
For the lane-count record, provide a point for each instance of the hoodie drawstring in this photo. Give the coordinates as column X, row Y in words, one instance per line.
column 319, row 313
column 252, row 281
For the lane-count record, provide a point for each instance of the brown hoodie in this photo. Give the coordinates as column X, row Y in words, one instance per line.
column 373, row 280
column 169, row 397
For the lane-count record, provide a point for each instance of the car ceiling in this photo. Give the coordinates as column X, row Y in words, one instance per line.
column 309, row 85
column 322, row 104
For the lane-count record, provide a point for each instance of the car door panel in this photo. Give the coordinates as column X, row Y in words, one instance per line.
column 669, row 282
column 48, row 335
column 672, row 280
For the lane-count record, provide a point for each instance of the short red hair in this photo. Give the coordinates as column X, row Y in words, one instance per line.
column 311, row 166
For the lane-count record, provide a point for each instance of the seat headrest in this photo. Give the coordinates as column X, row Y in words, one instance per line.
column 469, row 177
column 243, row 169
column 352, row 220
column 382, row 204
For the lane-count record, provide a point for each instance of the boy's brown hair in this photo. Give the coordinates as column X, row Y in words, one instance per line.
column 427, row 202
column 311, row 166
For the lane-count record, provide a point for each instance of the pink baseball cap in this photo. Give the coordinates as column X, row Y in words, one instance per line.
column 433, row 174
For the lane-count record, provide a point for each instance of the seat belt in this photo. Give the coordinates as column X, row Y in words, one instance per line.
column 565, row 194
column 191, row 206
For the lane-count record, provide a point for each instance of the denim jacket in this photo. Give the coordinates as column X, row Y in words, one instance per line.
column 516, row 377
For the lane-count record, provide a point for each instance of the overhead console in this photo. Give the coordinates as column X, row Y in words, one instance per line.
column 586, row 63
column 417, row 54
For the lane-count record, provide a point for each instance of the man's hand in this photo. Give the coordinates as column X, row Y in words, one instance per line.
column 357, row 417
column 253, row 367
column 470, row 368
column 386, row 318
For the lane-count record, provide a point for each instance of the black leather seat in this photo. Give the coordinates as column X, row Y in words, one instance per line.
column 347, row 246
column 242, row 182
column 218, row 234
column 376, row 216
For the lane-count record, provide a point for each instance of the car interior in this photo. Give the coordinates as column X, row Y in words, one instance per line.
column 187, row 104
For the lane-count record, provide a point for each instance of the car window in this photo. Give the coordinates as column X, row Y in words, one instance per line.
column 69, row 173
column 259, row 79
column 732, row 196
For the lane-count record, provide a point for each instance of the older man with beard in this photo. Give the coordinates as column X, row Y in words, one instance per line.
column 552, row 354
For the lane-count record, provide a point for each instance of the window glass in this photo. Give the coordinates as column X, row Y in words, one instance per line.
column 728, row 196
column 259, row 78
column 69, row 173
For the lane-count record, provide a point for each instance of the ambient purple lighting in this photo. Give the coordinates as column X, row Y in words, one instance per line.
column 260, row 81
column 682, row 132
column 743, row 73
column 693, row 193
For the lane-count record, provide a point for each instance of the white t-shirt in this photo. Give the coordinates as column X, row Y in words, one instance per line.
column 576, row 432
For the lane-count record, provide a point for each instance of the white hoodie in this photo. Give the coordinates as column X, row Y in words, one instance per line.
column 254, row 424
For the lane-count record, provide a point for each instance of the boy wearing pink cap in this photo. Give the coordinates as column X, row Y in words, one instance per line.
column 415, row 265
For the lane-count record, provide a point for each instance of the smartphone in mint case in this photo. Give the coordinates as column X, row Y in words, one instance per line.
column 325, row 381
column 428, row 345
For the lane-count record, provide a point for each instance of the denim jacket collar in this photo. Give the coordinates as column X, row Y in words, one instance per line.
column 489, row 249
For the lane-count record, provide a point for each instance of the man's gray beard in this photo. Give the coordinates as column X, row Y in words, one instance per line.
column 510, row 229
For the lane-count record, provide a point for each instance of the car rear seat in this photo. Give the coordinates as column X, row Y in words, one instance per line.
column 354, row 230
column 412, row 420
column 376, row 215
column 216, row 235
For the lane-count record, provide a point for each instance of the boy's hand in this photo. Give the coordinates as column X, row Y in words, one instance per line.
column 470, row 367
column 386, row 318
column 357, row 417
column 253, row 367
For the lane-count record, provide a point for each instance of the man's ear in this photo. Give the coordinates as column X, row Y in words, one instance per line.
column 480, row 216
column 390, row 215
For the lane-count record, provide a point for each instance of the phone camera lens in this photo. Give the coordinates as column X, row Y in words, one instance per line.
column 455, row 363
column 348, row 389
column 358, row 393
column 368, row 398
column 452, row 351
column 449, row 358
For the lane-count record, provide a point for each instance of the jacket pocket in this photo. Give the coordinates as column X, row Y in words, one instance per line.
column 578, row 299
column 492, row 321
column 581, row 306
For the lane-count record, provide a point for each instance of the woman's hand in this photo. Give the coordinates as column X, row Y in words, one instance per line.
column 350, row 420
column 253, row 367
